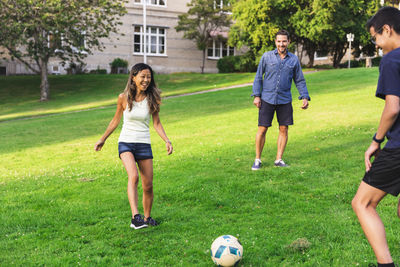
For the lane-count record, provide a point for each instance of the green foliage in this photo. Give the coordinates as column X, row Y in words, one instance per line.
column 228, row 64
column 313, row 25
column 98, row 71
column 68, row 30
column 240, row 63
column 119, row 63
column 74, row 68
column 353, row 64
column 333, row 19
column 200, row 22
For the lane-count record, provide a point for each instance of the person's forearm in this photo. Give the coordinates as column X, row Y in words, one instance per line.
column 110, row 129
column 389, row 116
column 160, row 130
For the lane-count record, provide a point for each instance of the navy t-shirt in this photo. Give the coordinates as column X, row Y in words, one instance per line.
column 389, row 84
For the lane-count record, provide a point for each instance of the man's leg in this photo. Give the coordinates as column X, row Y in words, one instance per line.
column 282, row 141
column 364, row 205
column 260, row 140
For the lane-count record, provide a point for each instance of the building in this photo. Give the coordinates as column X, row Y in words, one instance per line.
column 167, row 50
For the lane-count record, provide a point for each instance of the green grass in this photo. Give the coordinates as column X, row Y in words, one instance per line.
column 19, row 95
column 64, row 204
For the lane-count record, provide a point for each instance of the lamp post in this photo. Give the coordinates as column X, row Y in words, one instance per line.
column 144, row 32
column 350, row 38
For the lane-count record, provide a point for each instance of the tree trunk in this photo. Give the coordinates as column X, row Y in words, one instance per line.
column 204, row 60
column 311, row 55
column 338, row 54
column 300, row 51
column 44, row 85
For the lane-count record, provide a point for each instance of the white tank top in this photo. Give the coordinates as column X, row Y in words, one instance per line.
column 135, row 128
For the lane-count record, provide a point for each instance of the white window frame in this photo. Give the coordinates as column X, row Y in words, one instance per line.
column 220, row 47
column 158, row 35
column 221, row 4
column 76, row 50
column 150, row 4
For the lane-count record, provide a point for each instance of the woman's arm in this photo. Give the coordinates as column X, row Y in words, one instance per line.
column 113, row 124
column 160, row 130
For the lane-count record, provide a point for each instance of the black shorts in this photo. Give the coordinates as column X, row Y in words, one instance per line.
column 385, row 171
column 284, row 113
column 139, row 150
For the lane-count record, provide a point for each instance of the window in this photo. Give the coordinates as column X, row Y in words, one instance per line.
column 221, row 4
column 80, row 43
column 3, row 71
column 155, row 40
column 153, row 2
column 58, row 42
column 54, row 41
column 217, row 49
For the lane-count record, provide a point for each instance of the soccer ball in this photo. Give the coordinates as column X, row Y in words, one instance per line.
column 226, row 250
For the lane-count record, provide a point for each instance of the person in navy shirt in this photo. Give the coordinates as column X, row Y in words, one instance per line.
column 272, row 93
column 382, row 176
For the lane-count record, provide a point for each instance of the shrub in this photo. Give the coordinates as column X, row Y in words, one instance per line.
column 241, row 63
column 119, row 65
column 321, row 67
column 76, row 69
column 227, row 64
column 98, row 71
column 353, row 64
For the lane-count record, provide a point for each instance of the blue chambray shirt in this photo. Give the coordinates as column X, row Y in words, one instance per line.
column 274, row 77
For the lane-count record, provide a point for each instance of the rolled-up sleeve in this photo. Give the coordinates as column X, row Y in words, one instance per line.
column 300, row 82
column 258, row 80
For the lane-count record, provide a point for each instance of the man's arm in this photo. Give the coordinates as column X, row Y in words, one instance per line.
column 389, row 116
column 300, row 82
column 258, row 80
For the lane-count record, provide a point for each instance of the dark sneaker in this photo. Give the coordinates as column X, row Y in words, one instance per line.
column 151, row 222
column 256, row 166
column 280, row 163
column 138, row 222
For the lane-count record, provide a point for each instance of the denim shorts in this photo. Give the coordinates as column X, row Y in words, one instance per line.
column 139, row 150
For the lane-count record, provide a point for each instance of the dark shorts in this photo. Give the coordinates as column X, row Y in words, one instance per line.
column 284, row 114
column 385, row 171
column 139, row 150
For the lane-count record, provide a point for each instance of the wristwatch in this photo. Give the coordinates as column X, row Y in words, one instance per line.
column 379, row 141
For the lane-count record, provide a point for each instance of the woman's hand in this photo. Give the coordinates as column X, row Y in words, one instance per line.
column 99, row 145
column 168, row 144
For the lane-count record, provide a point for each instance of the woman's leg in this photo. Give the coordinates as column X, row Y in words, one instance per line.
column 364, row 205
column 130, row 165
column 146, row 174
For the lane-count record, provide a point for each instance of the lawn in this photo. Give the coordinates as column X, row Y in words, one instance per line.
column 62, row 203
column 19, row 95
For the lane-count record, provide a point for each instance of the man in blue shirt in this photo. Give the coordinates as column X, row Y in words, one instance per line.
column 382, row 177
column 271, row 91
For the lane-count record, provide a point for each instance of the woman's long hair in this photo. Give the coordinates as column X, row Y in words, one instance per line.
column 153, row 94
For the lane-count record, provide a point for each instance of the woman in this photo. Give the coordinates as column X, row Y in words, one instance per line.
column 140, row 99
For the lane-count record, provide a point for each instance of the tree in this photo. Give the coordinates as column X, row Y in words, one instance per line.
column 203, row 18
column 314, row 25
column 257, row 22
column 34, row 31
column 333, row 19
